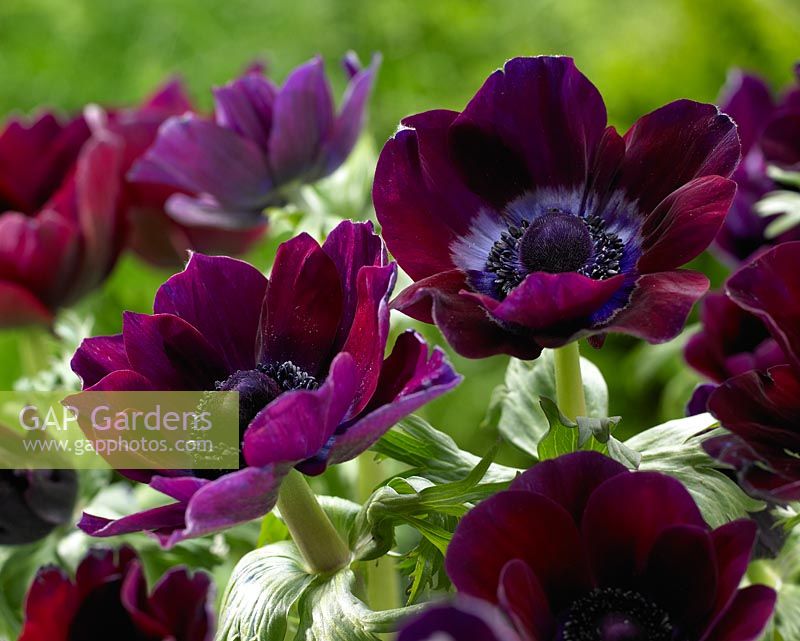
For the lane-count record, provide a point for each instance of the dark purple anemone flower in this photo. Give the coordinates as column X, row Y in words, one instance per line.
column 526, row 221
column 153, row 234
column 761, row 408
column 109, row 599
column 34, row 503
column 305, row 351
column 581, row 549
column 768, row 129
column 262, row 142
column 61, row 224
column 732, row 341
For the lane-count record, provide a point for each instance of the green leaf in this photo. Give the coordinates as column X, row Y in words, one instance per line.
column 264, row 586
column 516, row 410
column 433, row 454
column 270, row 583
column 675, row 448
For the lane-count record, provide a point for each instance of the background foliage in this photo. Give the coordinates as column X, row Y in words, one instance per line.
column 640, row 54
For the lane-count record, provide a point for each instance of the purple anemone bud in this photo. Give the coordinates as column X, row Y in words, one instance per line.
column 34, row 503
column 304, row 349
column 527, row 222
column 109, row 595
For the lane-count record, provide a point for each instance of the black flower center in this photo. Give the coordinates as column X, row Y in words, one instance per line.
column 555, row 242
column 260, row 386
column 613, row 614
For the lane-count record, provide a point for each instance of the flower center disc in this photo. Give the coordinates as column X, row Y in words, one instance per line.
column 556, row 242
column 611, row 614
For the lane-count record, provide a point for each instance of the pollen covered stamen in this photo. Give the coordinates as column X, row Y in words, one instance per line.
column 613, row 614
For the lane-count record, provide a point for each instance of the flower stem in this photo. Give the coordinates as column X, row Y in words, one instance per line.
column 311, row 529
column 383, row 588
column 569, row 384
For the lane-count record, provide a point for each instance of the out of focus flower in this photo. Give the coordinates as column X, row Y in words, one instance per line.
column 109, row 599
column 34, row 503
column 154, row 235
column 261, row 143
column 526, row 221
column 770, row 133
column 305, row 351
column 761, row 408
column 61, row 226
column 580, row 549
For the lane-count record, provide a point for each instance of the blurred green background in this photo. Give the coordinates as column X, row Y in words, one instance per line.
column 65, row 53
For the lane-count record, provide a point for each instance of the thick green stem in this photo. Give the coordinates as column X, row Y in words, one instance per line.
column 569, row 384
column 383, row 586
column 311, row 529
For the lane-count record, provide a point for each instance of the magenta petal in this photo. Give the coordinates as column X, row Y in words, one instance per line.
column 303, row 306
column 747, row 616
column 769, row 287
column 245, row 106
column 685, row 223
column 232, row 499
column 202, row 157
column 222, row 299
column 302, row 119
column 781, row 140
column 543, row 302
column 518, row 525
column 681, row 575
column 569, row 480
column 673, row 145
column 366, row 340
column 297, row 424
column 409, row 379
column 547, row 111
column 620, row 532
column 171, row 352
column 350, row 121
column 463, row 320
column 160, row 521
column 52, row 599
column 183, row 604
column 521, row 596
column 351, row 246
column 659, row 305
column 208, row 212
column 97, row 357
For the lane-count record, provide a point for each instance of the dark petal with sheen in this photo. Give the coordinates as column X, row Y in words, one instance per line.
column 518, row 525
column 673, row 145
column 525, row 602
column 464, row 620
column 747, row 99
column 569, row 480
column 747, row 616
column 464, row 321
column 769, row 287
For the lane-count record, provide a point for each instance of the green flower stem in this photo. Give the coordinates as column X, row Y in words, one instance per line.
column 383, row 586
column 569, row 384
column 311, row 529
column 764, row 572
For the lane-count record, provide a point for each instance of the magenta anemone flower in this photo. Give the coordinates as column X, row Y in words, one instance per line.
column 768, row 128
column 109, row 598
column 761, row 408
column 581, row 549
column 154, row 235
column 261, row 142
column 34, row 503
column 305, row 351
column 61, row 226
column 526, row 221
